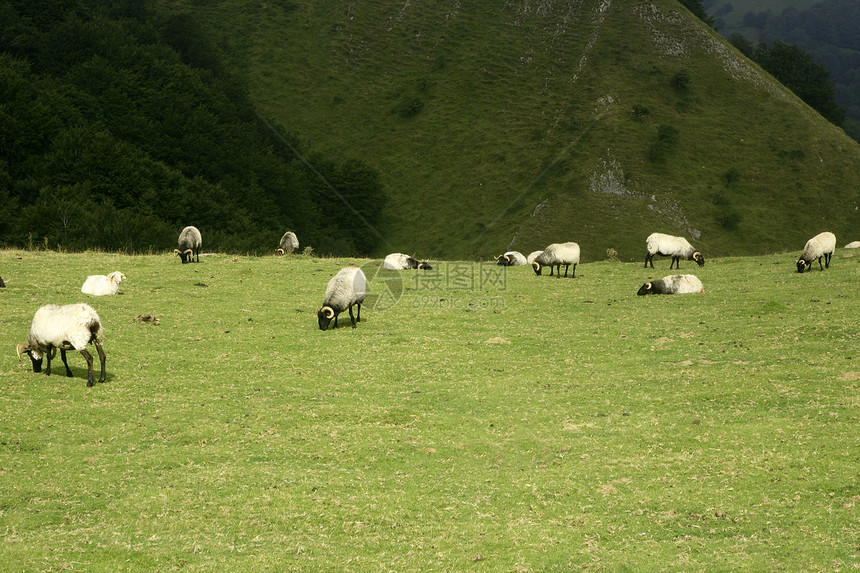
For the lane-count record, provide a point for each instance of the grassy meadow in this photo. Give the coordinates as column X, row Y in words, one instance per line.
column 477, row 419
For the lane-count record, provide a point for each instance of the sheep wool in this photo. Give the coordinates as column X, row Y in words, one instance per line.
column 532, row 256
column 346, row 289
column 671, row 246
column 101, row 285
column 289, row 243
column 511, row 259
column 673, row 284
column 820, row 246
column 555, row 255
column 190, row 242
column 69, row 327
column 401, row 262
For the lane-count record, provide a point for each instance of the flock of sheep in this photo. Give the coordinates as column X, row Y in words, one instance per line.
column 75, row 326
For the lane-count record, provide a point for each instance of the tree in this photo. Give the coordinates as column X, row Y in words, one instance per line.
column 808, row 79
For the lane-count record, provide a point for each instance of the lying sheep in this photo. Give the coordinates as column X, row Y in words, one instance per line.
column 347, row 288
column 555, row 255
column 670, row 246
column 673, row 284
column 289, row 243
column 400, row 262
column 851, row 245
column 821, row 245
column 511, row 259
column 70, row 327
column 532, row 256
column 190, row 242
column 100, row 285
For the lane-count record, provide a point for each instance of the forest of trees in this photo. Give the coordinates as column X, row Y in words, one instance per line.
column 120, row 125
column 827, row 32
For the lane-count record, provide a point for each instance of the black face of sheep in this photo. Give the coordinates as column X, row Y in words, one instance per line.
column 425, row 266
column 647, row 288
column 37, row 362
column 802, row 265
column 697, row 256
column 325, row 316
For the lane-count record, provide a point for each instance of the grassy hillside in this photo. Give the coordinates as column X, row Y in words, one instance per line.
column 597, row 122
column 511, row 423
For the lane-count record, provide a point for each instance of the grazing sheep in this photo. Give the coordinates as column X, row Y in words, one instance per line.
column 289, row 243
column 673, row 284
column 532, row 256
column 347, row 288
column 399, row 262
column 100, row 285
column 511, row 259
column 851, row 245
column 670, row 246
column 821, row 245
column 69, row 327
column 557, row 254
column 190, row 242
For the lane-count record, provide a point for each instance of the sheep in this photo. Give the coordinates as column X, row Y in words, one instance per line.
column 821, row 245
column 2, row 284
column 851, row 245
column 558, row 254
column 532, row 255
column 289, row 243
column 673, row 284
column 99, row 285
column 399, row 262
column 190, row 242
column 670, row 246
column 511, row 259
column 347, row 288
column 69, row 327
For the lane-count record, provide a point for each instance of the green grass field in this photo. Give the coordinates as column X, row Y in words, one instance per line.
column 474, row 421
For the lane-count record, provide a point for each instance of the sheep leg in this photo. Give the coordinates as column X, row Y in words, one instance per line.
column 675, row 260
column 65, row 362
column 102, row 359
column 351, row 316
column 821, row 268
column 573, row 274
column 649, row 258
column 89, row 358
column 566, row 267
column 827, row 257
column 47, row 354
column 359, row 312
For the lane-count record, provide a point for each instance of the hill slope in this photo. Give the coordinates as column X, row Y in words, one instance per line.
column 516, row 126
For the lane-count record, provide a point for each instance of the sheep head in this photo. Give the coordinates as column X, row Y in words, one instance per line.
column 697, row 256
column 645, row 289
column 34, row 354
column 425, row 266
column 184, row 255
column 280, row 251
column 802, row 264
column 536, row 266
column 325, row 315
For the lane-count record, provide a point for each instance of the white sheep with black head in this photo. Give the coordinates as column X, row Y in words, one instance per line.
column 511, row 259
column 671, row 246
column 820, row 246
column 289, row 243
column 69, row 327
column 190, row 242
column 346, row 289
column 555, row 255
column 401, row 262
column 673, row 284
column 101, row 285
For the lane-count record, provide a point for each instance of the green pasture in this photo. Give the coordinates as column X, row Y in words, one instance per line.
column 476, row 420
